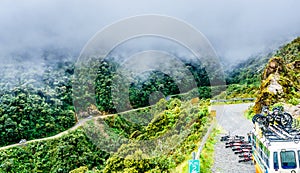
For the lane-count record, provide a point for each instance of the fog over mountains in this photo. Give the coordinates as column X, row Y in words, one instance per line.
column 236, row 29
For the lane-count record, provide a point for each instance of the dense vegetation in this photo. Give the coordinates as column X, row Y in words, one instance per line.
column 246, row 78
column 234, row 91
column 35, row 105
column 288, row 73
column 186, row 120
column 38, row 102
column 57, row 155
column 290, row 52
column 243, row 80
column 248, row 71
column 206, row 157
column 179, row 127
column 142, row 90
column 280, row 78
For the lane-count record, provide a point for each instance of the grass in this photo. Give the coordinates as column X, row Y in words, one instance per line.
column 206, row 157
column 249, row 113
column 232, row 102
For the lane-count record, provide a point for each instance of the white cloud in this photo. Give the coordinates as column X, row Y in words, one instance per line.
column 236, row 28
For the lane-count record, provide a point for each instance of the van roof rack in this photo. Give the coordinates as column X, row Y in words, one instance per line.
column 274, row 127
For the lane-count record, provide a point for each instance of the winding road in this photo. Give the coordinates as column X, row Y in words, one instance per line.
column 231, row 119
column 77, row 125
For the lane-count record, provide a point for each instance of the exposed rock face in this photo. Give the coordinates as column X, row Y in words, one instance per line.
column 274, row 86
column 281, row 80
column 275, row 65
column 293, row 110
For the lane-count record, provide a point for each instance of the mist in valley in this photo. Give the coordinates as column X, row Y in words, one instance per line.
column 35, row 34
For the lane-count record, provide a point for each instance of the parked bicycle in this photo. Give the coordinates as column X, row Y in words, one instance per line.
column 230, row 138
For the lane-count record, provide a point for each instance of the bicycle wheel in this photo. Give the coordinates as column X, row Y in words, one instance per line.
column 286, row 119
column 256, row 118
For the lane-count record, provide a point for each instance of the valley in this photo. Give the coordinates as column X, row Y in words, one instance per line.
column 77, row 126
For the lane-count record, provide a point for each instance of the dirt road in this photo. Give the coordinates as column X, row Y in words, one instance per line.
column 80, row 123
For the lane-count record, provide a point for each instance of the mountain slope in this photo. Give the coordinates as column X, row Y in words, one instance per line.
column 280, row 79
column 248, row 71
column 180, row 124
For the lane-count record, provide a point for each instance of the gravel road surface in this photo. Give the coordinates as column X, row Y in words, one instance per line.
column 231, row 119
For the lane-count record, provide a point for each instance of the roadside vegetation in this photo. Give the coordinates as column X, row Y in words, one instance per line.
column 76, row 150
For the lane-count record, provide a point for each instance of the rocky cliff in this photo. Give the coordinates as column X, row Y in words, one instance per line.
column 281, row 80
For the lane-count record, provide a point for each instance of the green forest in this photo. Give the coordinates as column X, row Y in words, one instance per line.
column 153, row 135
column 75, row 150
column 41, row 105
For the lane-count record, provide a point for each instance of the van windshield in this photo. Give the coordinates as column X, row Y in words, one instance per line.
column 288, row 159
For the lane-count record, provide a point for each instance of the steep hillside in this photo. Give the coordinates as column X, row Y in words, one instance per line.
column 37, row 100
column 280, row 79
column 243, row 79
column 35, row 103
column 177, row 128
column 248, row 71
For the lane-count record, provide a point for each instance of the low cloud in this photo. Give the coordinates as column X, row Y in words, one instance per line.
column 236, row 29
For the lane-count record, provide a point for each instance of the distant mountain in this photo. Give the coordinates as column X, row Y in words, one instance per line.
column 243, row 79
column 248, row 71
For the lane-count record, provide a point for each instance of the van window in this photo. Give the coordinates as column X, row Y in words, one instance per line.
column 299, row 156
column 254, row 141
column 275, row 160
column 288, row 159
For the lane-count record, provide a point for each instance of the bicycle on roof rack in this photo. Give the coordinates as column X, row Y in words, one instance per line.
column 275, row 142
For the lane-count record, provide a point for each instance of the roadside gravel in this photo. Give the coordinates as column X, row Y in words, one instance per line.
column 230, row 118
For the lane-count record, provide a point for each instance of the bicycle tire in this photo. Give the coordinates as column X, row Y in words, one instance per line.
column 286, row 119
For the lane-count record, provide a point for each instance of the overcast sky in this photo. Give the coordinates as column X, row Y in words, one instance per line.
column 235, row 28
